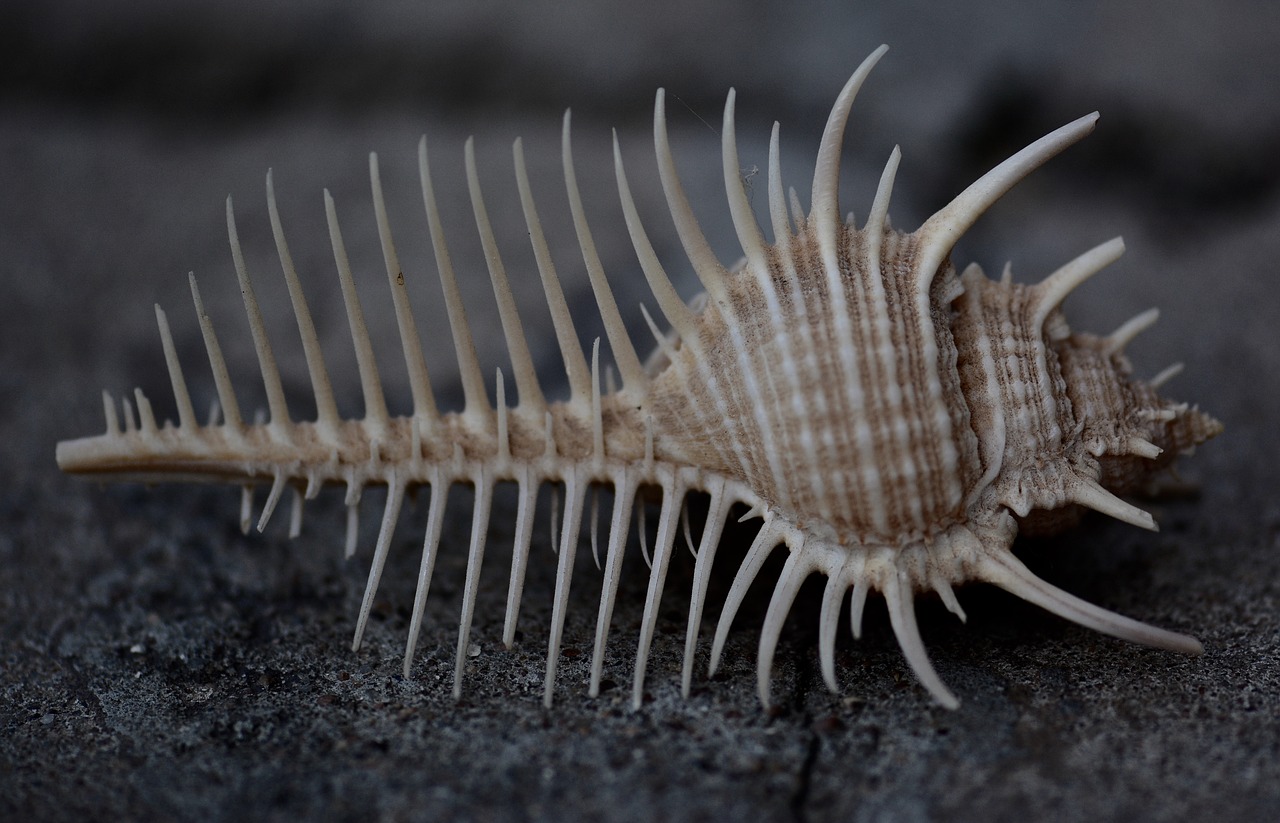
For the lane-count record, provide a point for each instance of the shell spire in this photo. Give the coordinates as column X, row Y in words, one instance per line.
column 940, row 232
column 634, row 379
column 279, row 422
column 1054, row 289
column 825, row 205
column 326, row 407
column 676, row 310
column 705, row 265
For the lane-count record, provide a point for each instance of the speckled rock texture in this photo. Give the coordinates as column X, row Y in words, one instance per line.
column 156, row 664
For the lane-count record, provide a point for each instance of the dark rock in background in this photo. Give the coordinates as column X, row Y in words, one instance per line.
column 157, row 664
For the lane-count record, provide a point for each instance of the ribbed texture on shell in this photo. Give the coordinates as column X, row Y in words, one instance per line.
column 1024, row 426
column 852, row 422
column 891, row 424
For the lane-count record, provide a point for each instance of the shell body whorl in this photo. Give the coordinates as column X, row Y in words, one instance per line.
column 891, row 422
column 829, row 415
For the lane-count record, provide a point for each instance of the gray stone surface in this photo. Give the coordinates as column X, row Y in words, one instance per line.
column 157, row 664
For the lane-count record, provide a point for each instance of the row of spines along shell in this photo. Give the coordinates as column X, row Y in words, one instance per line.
column 283, row 436
column 478, row 416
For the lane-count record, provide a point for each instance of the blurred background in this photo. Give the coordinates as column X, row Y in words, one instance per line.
column 155, row 663
column 127, row 125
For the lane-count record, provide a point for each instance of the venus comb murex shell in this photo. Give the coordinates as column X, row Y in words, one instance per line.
column 891, row 422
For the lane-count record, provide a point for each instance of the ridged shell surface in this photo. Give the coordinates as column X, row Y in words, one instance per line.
column 891, row 421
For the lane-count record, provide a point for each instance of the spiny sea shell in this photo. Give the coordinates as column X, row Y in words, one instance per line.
column 891, row 422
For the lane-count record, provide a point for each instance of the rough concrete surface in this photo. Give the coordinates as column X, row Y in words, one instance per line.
column 156, row 664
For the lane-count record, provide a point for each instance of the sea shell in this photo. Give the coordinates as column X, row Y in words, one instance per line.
column 891, row 422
